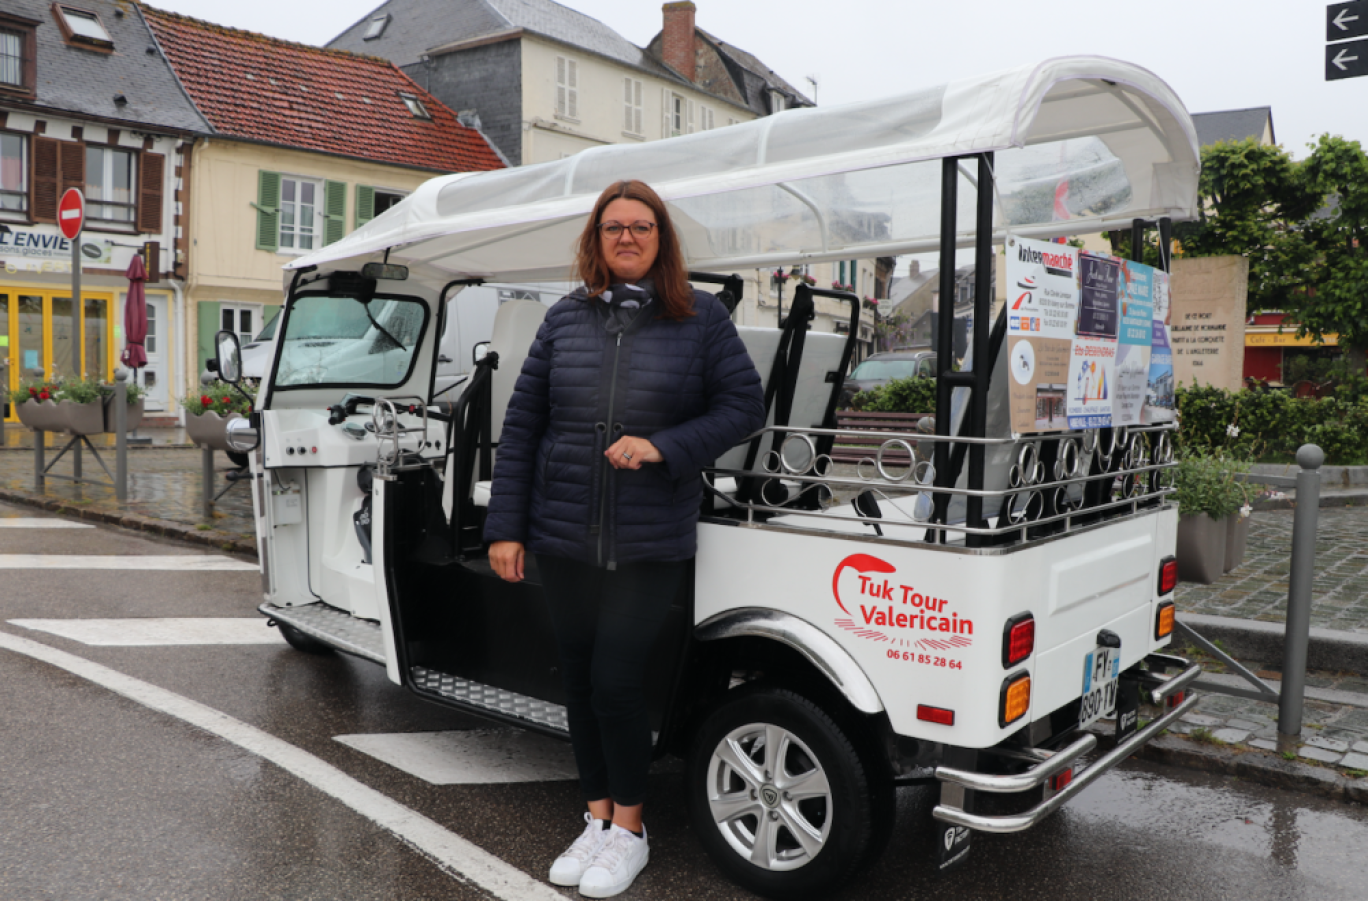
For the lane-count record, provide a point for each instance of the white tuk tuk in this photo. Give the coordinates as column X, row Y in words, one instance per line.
column 958, row 610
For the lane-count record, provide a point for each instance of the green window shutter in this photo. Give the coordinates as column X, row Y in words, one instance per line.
column 268, row 211
column 365, row 204
column 208, row 326
column 334, row 211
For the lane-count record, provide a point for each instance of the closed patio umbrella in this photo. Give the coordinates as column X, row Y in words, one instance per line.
column 134, row 355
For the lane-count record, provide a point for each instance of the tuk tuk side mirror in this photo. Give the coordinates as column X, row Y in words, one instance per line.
column 479, row 352
column 229, row 357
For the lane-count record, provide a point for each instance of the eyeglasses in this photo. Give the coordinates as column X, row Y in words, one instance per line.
column 639, row 229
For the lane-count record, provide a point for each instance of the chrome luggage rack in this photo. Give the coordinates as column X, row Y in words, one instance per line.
column 1046, row 479
column 385, row 415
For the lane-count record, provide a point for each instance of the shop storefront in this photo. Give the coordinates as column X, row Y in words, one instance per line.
column 45, row 335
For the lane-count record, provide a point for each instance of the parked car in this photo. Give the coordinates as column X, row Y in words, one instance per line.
column 882, row 368
column 257, row 353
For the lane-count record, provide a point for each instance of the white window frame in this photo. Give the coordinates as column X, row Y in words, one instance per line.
column 567, row 88
column 679, row 115
column 415, row 105
column 706, row 118
column 237, row 309
column 96, row 204
column 633, row 107
column 23, row 191
column 387, row 192
column 319, row 213
column 90, row 29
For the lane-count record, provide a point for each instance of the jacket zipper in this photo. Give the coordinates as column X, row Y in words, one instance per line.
column 603, row 483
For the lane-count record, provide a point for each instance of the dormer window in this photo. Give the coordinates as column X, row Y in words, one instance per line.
column 376, row 27
column 415, row 106
column 83, row 27
column 778, row 102
column 18, row 54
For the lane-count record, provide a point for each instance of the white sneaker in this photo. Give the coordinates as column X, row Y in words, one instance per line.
column 570, row 866
column 616, row 864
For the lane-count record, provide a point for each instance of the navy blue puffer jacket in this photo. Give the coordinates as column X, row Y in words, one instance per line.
column 688, row 386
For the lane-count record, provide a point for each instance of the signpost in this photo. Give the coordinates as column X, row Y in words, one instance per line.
column 70, row 219
column 1345, row 57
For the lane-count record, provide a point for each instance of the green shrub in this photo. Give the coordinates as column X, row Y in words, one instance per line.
column 1271, row 425
column 915, row 394
column 1207, row 483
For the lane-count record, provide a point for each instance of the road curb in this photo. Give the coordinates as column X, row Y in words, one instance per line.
column 163, row 528
column 1261, row 643
column 1257, row 766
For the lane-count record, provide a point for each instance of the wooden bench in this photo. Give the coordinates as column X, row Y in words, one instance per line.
column 854, row 447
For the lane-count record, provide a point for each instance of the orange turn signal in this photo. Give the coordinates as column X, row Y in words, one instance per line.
column 1016, row 698
column 1163, row 624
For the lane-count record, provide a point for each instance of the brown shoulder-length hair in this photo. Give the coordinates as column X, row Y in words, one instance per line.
column 668, row 274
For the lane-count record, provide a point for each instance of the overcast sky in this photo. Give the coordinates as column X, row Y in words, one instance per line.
column 1216, row 54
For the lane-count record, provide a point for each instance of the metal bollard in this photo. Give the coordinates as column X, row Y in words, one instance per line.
column 207, row 479
column 39, row 438
column 120, row 436
column 1298, row 634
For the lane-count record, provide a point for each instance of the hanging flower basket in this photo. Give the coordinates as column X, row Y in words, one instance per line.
column 209, row 429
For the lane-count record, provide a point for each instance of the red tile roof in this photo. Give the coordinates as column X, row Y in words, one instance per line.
column 263, row 89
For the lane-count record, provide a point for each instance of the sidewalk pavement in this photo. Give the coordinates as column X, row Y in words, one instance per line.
column 1244, row 611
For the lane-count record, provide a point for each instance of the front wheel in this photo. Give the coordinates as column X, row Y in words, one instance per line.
column 301, row 641
column 779, row 796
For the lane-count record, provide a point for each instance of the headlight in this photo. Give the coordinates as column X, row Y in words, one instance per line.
column 241, row 436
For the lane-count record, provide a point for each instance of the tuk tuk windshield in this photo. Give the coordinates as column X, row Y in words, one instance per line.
column 331, row 340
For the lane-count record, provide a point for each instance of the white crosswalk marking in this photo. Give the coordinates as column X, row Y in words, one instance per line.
column 158, row 631
column 476, row 757
column 183, row 563
column 30, row 522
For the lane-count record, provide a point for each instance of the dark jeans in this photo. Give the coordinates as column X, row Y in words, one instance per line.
column 606, row 624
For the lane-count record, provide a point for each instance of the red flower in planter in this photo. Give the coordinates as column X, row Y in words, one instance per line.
column 204, row 399
column 227, row 400
column 33, row 392
column 43, row 395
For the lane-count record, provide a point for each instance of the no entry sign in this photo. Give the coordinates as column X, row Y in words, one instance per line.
column 71, row 213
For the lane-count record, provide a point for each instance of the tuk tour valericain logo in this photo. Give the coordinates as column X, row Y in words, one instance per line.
column 878, row 606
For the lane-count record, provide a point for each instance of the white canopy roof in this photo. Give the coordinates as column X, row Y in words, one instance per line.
column 1104, row 140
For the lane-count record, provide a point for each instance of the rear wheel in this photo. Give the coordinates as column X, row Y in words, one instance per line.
column 779, row 796
column 303, row 642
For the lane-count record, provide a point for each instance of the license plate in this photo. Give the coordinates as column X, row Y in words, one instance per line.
column 1101, row 673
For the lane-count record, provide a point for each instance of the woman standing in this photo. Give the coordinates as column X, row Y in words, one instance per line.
column 634, row 383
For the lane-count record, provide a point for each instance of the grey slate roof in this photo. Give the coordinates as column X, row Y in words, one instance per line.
column 756, row 76
column 419, row 26
column 1233, row 125
column 81, row 82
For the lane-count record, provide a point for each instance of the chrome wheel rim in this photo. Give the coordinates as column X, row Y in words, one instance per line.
column 769, row 797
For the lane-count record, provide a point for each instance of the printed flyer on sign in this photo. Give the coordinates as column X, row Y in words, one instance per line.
column 1159, row 400
column 1133, row 343
column 1042, row 311
column 1092, row 360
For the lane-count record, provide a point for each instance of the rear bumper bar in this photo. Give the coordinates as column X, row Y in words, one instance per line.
column 954, row 782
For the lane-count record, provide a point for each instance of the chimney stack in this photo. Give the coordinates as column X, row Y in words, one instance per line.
column 677, row 39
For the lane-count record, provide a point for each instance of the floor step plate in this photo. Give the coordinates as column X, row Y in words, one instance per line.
column 332, row 626
column 496, row 700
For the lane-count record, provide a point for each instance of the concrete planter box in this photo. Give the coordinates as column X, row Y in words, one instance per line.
column 1201, row 548
column 134, row 416
column 40, row 415
column 209, row 429
column 82, row 419
column 1237, row 535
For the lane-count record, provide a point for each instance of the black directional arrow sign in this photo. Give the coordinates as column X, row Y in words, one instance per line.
column 1346, row 20
column 1346, row 60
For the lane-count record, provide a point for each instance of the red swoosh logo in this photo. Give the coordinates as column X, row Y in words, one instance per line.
column 862, row 563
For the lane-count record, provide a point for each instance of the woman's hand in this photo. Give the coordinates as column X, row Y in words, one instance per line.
column 629, row 453
column 507, row 559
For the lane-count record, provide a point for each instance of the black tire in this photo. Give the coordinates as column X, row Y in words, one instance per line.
column 302, row 642
column 237, row 459
column 736, row 804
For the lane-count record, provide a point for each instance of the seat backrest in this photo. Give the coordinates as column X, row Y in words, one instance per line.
column 821, row 354
column 515, row 327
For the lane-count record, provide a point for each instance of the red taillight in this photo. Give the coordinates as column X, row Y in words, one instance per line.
column 936, row 715
column 1174, row 699
column 1018, row 639
column 1168, row 575
column 1061, row 779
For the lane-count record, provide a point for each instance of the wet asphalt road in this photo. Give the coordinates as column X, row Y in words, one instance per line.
column 104, row 798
